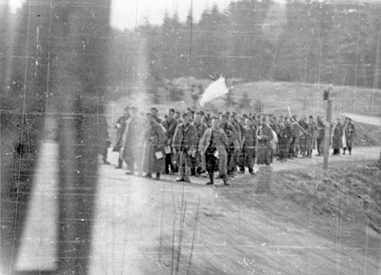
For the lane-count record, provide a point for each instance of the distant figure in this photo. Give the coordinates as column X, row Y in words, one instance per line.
column 350, row 132
column 133, row 143
column 311, row 129
column 303, row 136
column 184, row 142
column 120, row 127
column 170, row 125
column 264, row 136
column 154, row 153
column 249, row 142
column 286, row 135
column 200, row 130
column 320, row 128
column 337, row 138
column 103, row 138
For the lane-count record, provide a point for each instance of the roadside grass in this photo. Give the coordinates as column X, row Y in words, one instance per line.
column 345, row 198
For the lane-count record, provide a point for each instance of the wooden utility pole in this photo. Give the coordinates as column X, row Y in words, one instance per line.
column 327, row 135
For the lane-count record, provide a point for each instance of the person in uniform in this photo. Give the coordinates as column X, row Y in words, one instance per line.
column 311, row 136
column 120, row 127
column 303, row 136
column 184, row 142
column 320, row 129
column 212, row 146
column 232, row 135
column 295, row 137
column 200, row 127
column 154, row 152
column 337, row 138
column 133, row 145
column 249, row 142
column 285, row 139
column 349, row 134
column 264, row 136
column 277, row 129
column 170, row 125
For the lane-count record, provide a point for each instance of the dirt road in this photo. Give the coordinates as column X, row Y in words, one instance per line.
column 145, row 226
column 160, row 227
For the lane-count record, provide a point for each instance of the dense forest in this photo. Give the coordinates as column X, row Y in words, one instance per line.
column 334, row 42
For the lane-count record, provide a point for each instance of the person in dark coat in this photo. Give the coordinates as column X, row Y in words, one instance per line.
column 311, row 136
column 337, row 138
column 285, row 139
column 184, row 141
column 249, row 142
column 233, row 145
column 320, row 133
column 213, row 147
column 303, row 136
column 349, row 131
column 294, row 144
column 154, row 151
column 200, row 127
column 264, row 136
column 276, row 127
column 120, row 127
column 170, row 125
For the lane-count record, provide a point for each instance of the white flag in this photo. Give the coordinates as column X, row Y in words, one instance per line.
column 215, row 89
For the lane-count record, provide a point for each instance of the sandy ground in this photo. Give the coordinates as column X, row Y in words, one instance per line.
column 145, row 226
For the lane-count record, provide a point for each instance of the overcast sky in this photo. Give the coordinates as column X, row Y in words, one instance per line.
column 129, row 13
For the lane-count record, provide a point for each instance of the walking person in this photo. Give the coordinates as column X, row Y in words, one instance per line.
column 349, row 134
column 200, row 127
column 320, row 129
column 154, row 153
column 120, row 127
column 249, row 143
column 170, row 125
column 184, row 142
column 337, row 138
column 213, row 147
column 311, row 136
column 264, row 136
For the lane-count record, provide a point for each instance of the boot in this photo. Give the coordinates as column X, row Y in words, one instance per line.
column 120, row 164
column 225, row 180
column 157, row 176
column 211, row 178
column 193, row 171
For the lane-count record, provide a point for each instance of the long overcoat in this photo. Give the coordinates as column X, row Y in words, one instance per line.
column 349, row 134
column 311, row 136
column 221, row 141
column 155, row 141
column 132, row 139
column 263, row 145
column 337, row 136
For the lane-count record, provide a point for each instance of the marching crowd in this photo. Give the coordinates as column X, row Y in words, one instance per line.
column 192, row 142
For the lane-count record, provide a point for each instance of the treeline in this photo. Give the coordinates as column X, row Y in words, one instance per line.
column 302, row 41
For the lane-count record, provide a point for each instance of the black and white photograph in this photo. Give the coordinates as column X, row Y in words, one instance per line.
column 190, row 137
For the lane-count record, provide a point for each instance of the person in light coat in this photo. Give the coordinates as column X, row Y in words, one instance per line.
column 212, row 146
